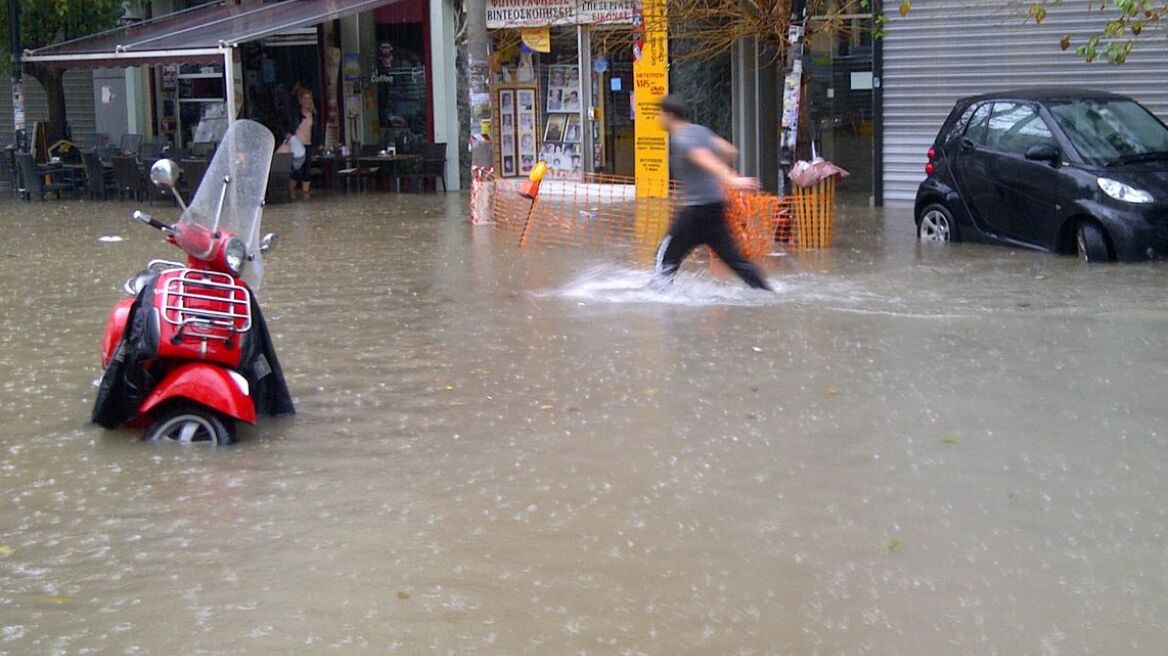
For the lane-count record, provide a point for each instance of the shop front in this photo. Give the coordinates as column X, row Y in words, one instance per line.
column 562, row 87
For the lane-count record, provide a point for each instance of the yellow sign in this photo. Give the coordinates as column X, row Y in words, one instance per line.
column 650, row 85
column 538, row 39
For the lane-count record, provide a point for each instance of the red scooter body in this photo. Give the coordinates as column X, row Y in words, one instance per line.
column 188, row 355
column 200, row 319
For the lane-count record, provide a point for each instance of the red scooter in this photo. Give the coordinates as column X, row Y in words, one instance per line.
column 188, row 354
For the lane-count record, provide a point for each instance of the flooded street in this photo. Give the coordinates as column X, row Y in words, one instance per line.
column 906, row 450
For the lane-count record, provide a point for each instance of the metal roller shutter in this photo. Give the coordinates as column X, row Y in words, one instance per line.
column 945, row 50
column 78, row 105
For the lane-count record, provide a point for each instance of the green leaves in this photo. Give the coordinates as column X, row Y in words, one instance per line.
column 1122, row 23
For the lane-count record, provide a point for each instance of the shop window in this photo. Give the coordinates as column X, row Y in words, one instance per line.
column 403, row 113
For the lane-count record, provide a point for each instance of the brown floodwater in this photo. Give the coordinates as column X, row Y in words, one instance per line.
column 905, row 450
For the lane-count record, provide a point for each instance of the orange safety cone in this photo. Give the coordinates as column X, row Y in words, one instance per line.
column 530, row 189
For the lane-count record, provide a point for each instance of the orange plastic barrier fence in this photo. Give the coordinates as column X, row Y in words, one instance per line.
column 815, row 213
column 603, row 212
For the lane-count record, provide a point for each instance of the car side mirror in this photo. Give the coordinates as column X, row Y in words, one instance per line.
column 164, row 173
column 1043, row 153
column 269, row 243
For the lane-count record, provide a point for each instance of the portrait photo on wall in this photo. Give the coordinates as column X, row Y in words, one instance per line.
column 555, row 128
column 572, row 131
column 555, row 99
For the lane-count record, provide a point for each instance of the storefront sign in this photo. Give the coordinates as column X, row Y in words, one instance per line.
column 538, row 39
column 650, row 85
column 545, row 13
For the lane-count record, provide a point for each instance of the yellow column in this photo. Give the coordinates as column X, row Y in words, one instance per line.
column 650, row 85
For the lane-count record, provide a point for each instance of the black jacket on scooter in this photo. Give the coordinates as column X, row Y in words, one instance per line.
column 130, row 378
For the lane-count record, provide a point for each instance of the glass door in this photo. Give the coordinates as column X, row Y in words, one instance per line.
column 612, row 102
column 841, row 102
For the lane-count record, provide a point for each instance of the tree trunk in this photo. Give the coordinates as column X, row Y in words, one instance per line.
column 53, row 81
column 478, row 75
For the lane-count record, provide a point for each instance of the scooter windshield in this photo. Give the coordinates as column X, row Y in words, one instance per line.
column 231, row 196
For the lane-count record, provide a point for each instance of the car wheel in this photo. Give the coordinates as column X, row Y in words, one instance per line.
column 936, row 225
column 1091, row 243
column 190, row 424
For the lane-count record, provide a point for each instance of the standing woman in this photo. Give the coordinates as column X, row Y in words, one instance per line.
column 299, row 138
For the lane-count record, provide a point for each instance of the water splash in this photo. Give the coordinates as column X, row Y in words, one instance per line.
column 613, row 284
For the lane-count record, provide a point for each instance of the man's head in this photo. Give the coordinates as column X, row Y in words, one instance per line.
column 674, row 111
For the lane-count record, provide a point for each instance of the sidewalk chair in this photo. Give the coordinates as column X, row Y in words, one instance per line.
column 432, row 166
column 99, row 180
column 193, row 171
column 280, row 177
column 127, row 176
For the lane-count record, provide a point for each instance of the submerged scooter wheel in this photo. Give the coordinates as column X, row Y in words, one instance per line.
column 185, row 424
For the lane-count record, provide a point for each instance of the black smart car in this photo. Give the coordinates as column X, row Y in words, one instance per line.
column 1062, row 170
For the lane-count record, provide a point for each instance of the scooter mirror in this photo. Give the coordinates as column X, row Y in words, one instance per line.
column 164, row 173
column 269, row 242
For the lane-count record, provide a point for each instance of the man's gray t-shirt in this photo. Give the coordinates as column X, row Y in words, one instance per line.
column 699, row 186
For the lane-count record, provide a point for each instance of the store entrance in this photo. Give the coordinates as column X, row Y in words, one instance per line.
column 271, row 74
column 841, row 103
column 613, row 145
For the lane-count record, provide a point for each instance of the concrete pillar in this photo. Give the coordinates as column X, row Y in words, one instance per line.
column 744, row 104
column 444, row 82
column 350, row 43
column 367, row 47
column 756, row 109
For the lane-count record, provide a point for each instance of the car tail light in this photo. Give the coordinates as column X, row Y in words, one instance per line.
column 932, row 154
column 930, row 169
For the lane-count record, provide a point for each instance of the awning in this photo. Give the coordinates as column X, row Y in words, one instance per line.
column 200, row 34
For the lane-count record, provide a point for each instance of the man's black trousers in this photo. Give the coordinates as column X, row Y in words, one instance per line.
column 704, row 224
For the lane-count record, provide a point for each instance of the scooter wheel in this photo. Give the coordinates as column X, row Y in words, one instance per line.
column 186, row 424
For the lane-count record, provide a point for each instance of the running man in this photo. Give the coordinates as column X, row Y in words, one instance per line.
column 699, row 161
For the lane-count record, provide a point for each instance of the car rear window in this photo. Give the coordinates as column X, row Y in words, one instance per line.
column 1015, row 127
column 976, row 132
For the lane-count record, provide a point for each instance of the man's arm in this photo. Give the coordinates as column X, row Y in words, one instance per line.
column 706, row 159
column 726, row 149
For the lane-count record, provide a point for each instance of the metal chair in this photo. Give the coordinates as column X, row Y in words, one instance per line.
column 432, row 166
column 130, row 143
column 203, row 149
column 98, row 180
column 280, row 177
column 127, row 176
column 149, row 151
column 193, row 172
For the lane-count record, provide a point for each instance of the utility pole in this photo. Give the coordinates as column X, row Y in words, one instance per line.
column 479, row 87
column 17, row 85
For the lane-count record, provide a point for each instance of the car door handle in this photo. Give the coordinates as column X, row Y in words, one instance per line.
column 967, row 144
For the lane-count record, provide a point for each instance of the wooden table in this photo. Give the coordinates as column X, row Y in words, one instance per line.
column 390, row 161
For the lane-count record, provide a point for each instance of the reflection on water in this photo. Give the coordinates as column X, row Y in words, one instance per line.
column 903, row 450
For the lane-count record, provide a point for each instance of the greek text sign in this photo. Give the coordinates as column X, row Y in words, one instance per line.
column 542, row 13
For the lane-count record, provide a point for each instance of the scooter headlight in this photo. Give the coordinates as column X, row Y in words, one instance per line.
column 234, row 255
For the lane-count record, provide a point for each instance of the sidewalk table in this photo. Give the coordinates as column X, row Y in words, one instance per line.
column 390, row 162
